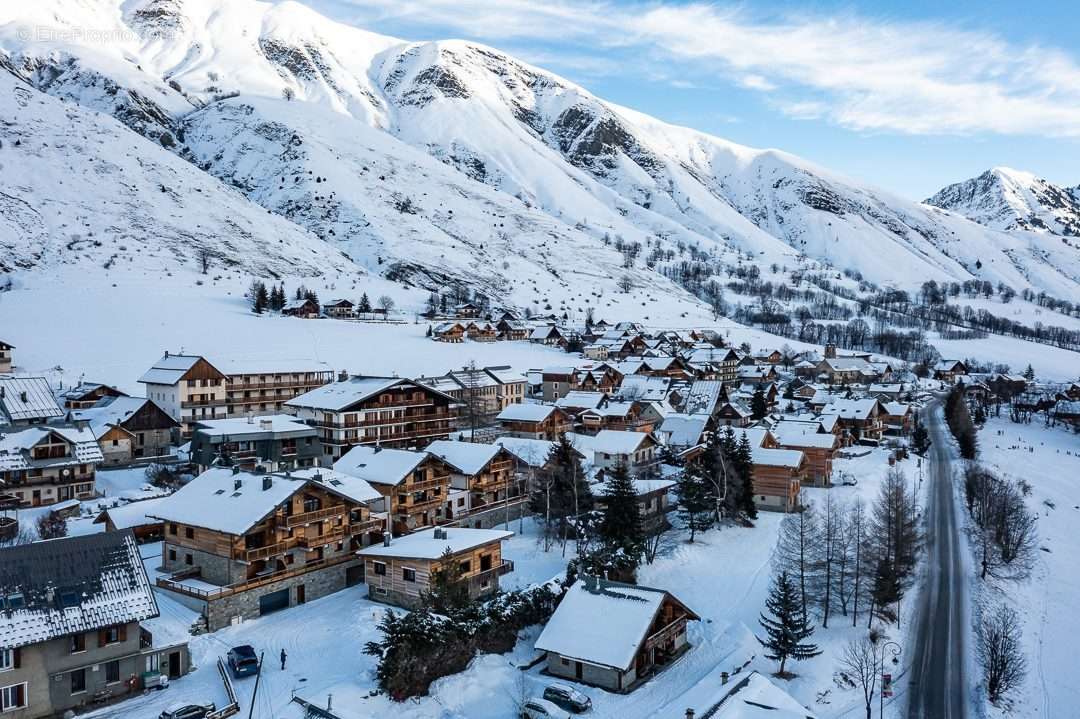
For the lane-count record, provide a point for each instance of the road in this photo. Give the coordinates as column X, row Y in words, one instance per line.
column 939, row 688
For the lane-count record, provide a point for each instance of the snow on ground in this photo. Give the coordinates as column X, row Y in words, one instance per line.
column 1049, row 459
column 1050, row 363
column 724, row 576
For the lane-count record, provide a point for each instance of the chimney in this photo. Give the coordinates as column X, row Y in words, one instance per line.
column 386, row 539
column 317, row 476
column 268, row 482
column 689, row 714
column 22, row 397
column 723, row 678
column 166, row 354
column 236, row 470
column 377, row 449
column 250, row 418
column 237, row 484
column 342, row 376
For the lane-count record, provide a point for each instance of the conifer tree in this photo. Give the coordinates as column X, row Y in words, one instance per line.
column 920, row 438
column 787, row 629
column 260, row 298
column 448, row 592
column 1029, row 373
column 562, row 491
column 743, row 462
column 759, row 406
column 365, row 304
column 621, row 527
column 696, row 505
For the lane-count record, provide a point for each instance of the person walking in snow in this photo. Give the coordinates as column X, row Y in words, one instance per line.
column 283, row 657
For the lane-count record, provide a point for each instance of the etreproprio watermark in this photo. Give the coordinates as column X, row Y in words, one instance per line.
column 46, row 33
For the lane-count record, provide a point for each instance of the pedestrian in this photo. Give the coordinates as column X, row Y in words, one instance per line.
column 283, row 657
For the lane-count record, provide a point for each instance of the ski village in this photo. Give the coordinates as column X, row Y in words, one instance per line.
column 345, row 376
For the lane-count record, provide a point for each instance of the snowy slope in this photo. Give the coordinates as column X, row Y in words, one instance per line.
column 77, row 187
column 1008, row 199
column 370, row 142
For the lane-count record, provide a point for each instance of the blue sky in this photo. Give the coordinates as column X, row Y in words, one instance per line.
column 907, row 96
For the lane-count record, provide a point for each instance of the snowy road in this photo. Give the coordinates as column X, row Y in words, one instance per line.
column 939, row 688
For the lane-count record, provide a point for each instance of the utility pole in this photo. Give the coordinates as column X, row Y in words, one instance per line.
column 255, row 693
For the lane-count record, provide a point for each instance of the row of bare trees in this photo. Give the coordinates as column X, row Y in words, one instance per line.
column 849, row 559
column 1006, row 530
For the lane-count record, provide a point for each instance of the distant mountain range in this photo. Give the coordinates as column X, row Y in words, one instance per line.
column 432, row 163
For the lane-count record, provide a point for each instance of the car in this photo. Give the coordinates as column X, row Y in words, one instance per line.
column 242, row 661
column 537, row 708
column 188, row 711
column 568, row 698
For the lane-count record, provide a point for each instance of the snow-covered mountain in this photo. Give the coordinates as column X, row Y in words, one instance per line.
column 1008, row 199
column 439, row 161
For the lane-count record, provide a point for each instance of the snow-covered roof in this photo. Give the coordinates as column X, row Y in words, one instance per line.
column 71, row 585
column 703, row 396
column 526, row 412
column 799, row 434
column 947, row 365
column 611, row 409
column 425, row 545
column 505, row 375
column 788, row 458
column 643, row 387
column 354, row 488
column 212, row 501
column 239, row 366
column 756, row 697
column 295, row 304
column 338, row 396
column 533, row 452
column 609, row 441
column 132, row 514
column 102, row 416
column 577, row 398
column 641, row 486
column 847, row 364
column 82, row 389
column 282, row 425
column 683, row 430
column 27, row 398
column 896, row 409
column 15, row 447
column 170, row 369
column 602, row 622
column 379, row 465
column 467, row 457
column 851, row 408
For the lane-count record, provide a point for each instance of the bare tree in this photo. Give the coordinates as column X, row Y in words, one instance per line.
column 860, row 663
column 626, row 283
column 204, row 255
column 386, row 303
column 797, row 552
column 1000, row 651
column 830, row 528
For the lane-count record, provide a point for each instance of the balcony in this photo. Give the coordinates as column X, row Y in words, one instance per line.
column 270, row 550
column 388, row 421
column 506, row 567
column 438, row 481
column 336, row 534
column 416, row 505
column 317, row 515
column 369, row 525
column 212, row 402
column 295, row 384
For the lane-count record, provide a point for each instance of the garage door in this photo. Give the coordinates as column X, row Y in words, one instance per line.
column 274, row 601
column 354, row 575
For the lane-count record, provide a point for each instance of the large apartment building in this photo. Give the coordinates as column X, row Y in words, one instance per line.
column 383, row 411
column 192, row 389
column 276, row 442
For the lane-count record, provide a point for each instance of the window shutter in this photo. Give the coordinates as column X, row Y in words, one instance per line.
column 102, row 639
column 123, row 632
column 16, row 659
column 20, row 695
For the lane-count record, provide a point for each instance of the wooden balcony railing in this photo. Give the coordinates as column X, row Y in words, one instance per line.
column 214, row 402
column 334, row 535
column 369, row 525
column 411, row 486
column 270, row 550
column 665, row 633
column 314, row 516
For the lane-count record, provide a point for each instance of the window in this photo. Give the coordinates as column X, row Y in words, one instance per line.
column 172, row 528
column 380, row 568
column 111, row 635
column 172, row 555
column 188, row 559
column 78, row 681
column 408, row 574
column 466, row 566
column 13, row 697
column 189, row 532
column 7, row 660
column 112, row 672
column 78, row 643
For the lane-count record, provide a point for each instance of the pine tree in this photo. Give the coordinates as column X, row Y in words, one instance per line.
column 310, row 295
column 1029, row 373
column 258, row 296
column 744, row 469
column 696, row 505
column 621, row 527
column 759, row 406
column 448, row 591
column 920, row 438
column 562, row 492
column 364, row 306
column 788, row 627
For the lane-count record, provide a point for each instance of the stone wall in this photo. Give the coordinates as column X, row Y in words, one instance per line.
column 212, row 567
column 605, row 677
column 221, row 612
column 492, row 518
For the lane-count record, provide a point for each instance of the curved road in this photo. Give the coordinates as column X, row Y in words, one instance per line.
column 939, row 688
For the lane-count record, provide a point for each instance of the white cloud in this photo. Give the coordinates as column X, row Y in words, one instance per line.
column 862, row 72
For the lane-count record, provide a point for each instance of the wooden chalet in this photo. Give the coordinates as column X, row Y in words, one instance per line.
column 129, row 429
column 339, row 309
column 534, row 421
column 400, row 571
column 86, row 394
column 512, row 329
column 484, row 471
column 453, row 332
column 305, row 308
column 949, row 370
column 481, row 332
column 264, row 542
column 414, row 485
column 613, row 635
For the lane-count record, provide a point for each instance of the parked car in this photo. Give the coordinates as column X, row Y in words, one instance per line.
column 537, row 708
column 188, row 711
column 243, row 661
column 568, row 698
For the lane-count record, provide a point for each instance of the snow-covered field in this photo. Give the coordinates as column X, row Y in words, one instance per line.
column 1049, row 459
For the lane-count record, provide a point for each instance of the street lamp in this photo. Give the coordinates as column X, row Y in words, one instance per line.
column 896, row 649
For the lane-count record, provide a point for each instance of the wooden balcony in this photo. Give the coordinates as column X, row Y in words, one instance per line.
column 412, row 506
column 314, row 516
column 336, row 534
column 270, row 550
column 213, row 402
column 666, row 633
column 368, row 525
column 389, row 421
column 410, row 486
